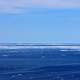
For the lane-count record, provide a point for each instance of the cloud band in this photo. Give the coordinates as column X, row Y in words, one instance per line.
column 18, row 5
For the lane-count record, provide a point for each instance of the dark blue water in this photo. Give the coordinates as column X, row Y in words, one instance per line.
column 39, row 64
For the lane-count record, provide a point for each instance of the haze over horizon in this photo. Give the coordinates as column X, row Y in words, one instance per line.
column 40, row 21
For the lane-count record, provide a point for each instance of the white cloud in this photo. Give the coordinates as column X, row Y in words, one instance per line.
column 18, row 5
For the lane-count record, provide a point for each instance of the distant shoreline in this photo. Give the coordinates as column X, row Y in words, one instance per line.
column 39, row 44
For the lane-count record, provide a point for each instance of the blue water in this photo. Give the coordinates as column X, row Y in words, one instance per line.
column 39, row 64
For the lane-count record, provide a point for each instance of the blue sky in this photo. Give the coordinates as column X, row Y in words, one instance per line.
column 40, row 21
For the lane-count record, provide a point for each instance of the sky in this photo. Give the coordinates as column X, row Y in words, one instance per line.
column 40, row 21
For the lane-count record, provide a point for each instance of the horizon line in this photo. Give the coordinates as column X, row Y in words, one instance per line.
column 39, row 44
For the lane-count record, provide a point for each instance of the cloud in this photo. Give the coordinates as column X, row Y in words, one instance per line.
column 18, row 5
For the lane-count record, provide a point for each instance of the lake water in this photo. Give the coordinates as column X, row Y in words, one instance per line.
column 39, row 64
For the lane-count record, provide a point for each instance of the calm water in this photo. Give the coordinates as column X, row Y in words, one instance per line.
column 39, row 64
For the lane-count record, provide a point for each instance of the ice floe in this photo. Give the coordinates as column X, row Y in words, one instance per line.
column 34, row 46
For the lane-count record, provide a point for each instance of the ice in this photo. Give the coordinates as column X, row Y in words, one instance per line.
column 42, row 46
